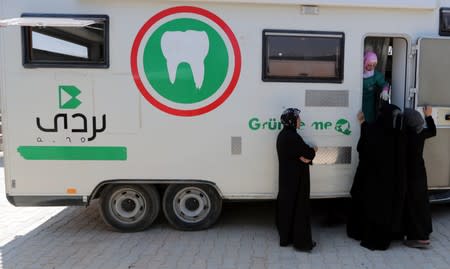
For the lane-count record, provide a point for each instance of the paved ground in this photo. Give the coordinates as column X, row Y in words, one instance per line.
column 245, row 237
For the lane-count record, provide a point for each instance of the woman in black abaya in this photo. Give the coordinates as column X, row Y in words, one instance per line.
column 355, row 218
column 293, row 209
column 417, row 210
column 378, row 190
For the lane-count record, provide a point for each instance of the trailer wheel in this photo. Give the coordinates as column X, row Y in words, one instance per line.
column 191, row 207
column 130, row 208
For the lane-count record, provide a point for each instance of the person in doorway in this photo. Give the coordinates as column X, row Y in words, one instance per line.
column 418, row 225
column 373, row 82
column 293, row 209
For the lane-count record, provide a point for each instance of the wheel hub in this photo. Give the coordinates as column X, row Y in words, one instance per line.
column 128, row 205
column 192, row 204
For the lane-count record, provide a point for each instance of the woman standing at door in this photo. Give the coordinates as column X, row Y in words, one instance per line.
column 373, row 81
column 418, row 216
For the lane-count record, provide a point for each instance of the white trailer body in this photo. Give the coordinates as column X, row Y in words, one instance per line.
column 87, row 109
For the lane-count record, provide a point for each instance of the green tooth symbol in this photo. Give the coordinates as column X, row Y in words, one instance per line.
column 67, row 97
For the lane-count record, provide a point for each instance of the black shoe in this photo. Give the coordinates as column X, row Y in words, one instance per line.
column 314, row 244
column 285, row 243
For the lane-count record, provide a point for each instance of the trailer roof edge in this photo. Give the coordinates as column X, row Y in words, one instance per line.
column 395, row 4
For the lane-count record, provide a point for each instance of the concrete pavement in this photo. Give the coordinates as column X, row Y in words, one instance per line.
column 244, row 237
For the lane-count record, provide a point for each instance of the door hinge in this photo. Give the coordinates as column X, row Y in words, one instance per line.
column 412, row 92
column 414, row 50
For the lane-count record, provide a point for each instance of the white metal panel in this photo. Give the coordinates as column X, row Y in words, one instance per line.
column 433, row 72
column 437, row 159
column 433, row 89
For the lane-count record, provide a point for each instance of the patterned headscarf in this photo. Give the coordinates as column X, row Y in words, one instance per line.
column 369, row 57
column 289, row 117
column 413, row 120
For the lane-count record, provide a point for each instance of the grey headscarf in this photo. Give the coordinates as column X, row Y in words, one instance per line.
column 413, row 120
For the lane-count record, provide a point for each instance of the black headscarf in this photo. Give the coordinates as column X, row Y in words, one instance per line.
column 413, row 120
column 289, row 117
column 389, row 117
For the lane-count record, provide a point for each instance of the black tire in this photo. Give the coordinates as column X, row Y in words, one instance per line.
column 130, row 208
column 191, row 207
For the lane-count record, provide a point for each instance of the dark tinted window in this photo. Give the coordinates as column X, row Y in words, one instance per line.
column 444, row 22
column 67, row 46
column 303, row 56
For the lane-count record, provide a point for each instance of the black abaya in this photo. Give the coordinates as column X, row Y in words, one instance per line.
column 293, row 210
column 378, row 191
column 418, row 218
column 355, row 218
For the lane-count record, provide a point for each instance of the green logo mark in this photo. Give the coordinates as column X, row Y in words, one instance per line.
column 67, row 97
column 186, row 61
column 343, row 126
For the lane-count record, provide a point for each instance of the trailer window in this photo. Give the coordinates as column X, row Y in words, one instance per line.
column 444, row 22
column 79, row 47
column 294, row 56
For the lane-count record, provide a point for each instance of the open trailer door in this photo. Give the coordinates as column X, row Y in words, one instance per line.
column 433, row 88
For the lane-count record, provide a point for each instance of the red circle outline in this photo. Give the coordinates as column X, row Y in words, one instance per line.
column 221, row 24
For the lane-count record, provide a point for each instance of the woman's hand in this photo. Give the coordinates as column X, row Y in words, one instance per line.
column 303, row 159
column 384, row 95
column 427, row 111
column 361, row 117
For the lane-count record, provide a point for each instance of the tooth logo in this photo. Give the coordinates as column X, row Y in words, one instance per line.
column 185, row 61
column 190, row 47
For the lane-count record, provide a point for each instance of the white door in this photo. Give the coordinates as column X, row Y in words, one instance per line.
column 433, row 88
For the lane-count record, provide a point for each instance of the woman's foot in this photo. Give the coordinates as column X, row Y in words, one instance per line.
column 417, row 243
column 285, row 243
column 307, row 249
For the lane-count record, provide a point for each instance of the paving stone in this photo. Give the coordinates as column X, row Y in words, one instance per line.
column 244, row 237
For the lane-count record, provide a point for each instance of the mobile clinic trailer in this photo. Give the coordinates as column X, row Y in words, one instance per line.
column 174, row 106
